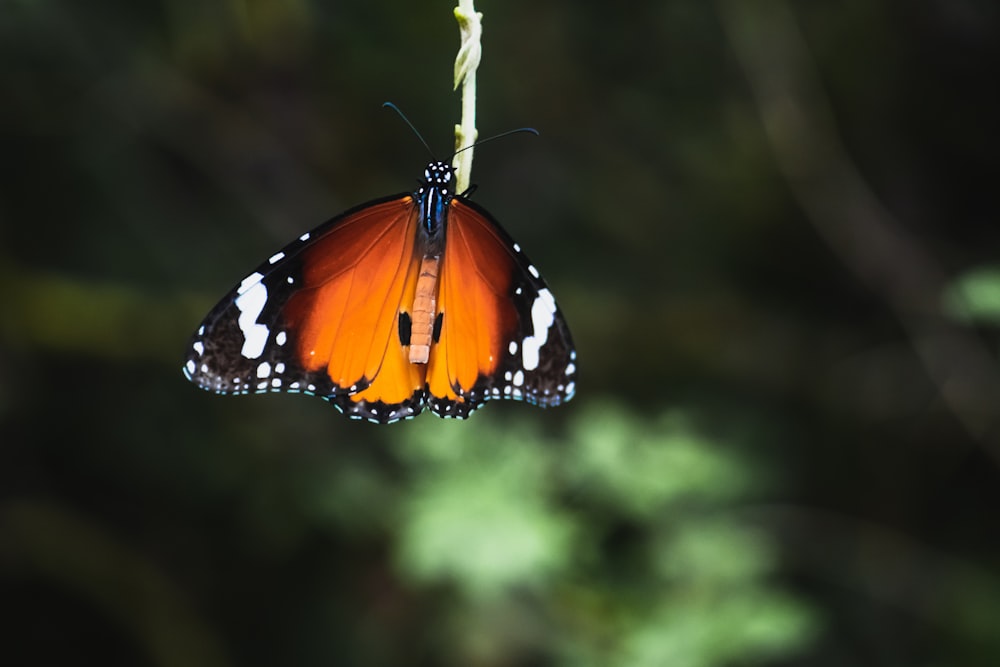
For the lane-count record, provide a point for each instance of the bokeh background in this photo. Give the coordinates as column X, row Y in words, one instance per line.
column 771, row 225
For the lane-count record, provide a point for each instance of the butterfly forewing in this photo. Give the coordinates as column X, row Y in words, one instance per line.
column 316, row 317
column 502, row 334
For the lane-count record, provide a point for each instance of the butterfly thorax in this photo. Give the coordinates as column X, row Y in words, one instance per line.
column 434, row 196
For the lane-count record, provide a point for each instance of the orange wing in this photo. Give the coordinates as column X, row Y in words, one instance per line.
column 475, row 279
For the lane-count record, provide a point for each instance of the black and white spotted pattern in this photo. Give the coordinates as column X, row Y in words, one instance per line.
column 242, row 348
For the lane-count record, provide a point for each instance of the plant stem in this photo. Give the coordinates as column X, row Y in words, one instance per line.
column 466, row 62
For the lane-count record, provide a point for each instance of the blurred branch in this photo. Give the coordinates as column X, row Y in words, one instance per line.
column 466, row 63
column 47, row 541
column 68, row 314
column 799, row 124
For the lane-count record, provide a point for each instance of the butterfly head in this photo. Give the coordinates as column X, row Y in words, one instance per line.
column 439, row 174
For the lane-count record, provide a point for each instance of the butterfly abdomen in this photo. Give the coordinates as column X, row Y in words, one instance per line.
column 424, row 311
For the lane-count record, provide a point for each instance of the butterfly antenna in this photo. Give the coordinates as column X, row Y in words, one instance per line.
column 529, row 130
column 406, row 120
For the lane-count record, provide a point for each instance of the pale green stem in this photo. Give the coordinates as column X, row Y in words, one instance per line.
column 466, row 62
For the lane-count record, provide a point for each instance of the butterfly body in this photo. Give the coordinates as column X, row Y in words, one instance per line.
column 418, row 300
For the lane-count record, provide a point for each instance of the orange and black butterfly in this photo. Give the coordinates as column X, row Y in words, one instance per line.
column 415, row 300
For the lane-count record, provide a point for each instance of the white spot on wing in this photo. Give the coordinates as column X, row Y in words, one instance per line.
column 532, row 270
column 281, row 338
column 199, row 347
column 249, row 282
column 543, row 315
column 190, row 367
column 518, row 378
column 276, row 257
column 263, row 370
column 251, row 303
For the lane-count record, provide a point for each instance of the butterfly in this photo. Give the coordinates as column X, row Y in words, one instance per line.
column 413, row 301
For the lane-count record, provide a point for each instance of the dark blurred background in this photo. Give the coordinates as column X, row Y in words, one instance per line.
column 771, row 225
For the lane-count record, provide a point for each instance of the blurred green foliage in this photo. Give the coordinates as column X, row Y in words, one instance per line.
column 621, row 542
column 974, row 296
column 633, row 517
